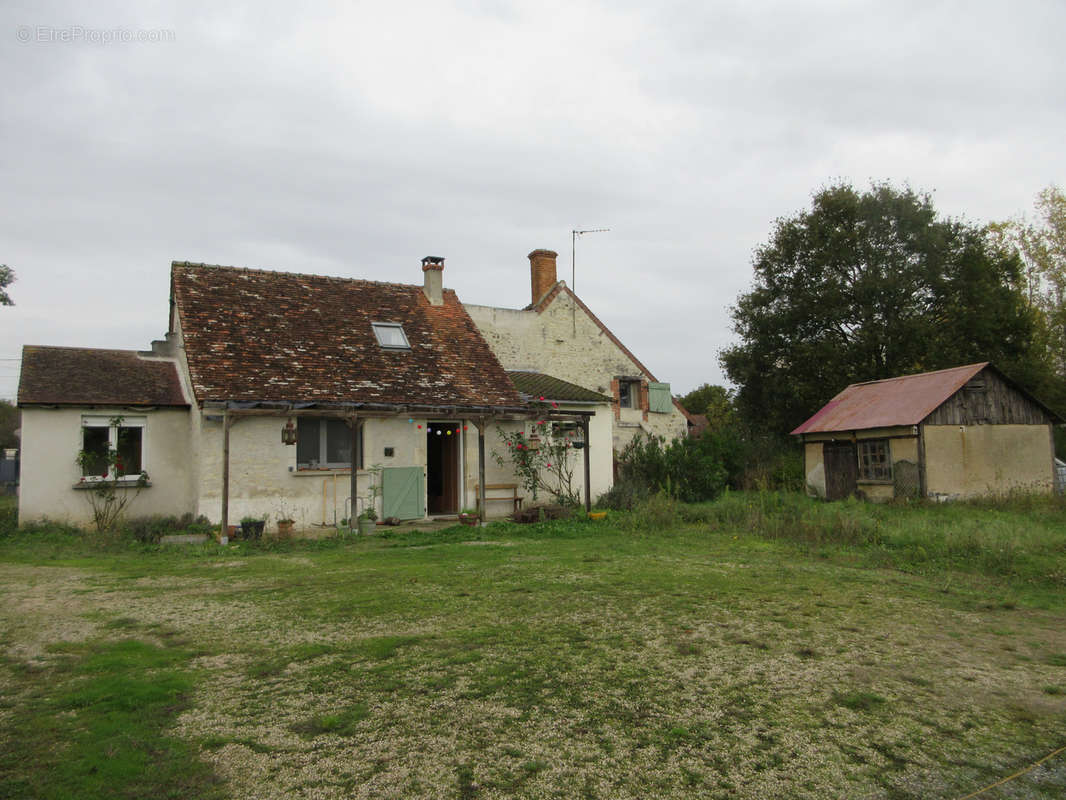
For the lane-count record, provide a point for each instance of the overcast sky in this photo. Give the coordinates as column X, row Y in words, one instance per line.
column 355, row 139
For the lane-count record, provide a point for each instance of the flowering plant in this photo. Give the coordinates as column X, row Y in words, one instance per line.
column 541, row 460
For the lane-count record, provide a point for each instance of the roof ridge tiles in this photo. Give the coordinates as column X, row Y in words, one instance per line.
column 287, row 273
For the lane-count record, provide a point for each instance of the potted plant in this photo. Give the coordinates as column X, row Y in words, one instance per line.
column 252, row 527
column 469, row 516
column 366, row 520
column 285, row 521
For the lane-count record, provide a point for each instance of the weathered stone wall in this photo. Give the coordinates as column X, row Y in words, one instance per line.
column 563, row 341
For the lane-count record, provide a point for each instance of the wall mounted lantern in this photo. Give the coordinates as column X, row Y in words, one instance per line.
column 288, row 433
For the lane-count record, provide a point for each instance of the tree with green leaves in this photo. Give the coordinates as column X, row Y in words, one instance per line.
column 1042, row 247
column 869, row 285
column 712, row 401
column 7, row 277
column 9, row 422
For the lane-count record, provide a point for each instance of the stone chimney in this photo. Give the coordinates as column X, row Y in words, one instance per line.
column 433, row 279
column 542, row 272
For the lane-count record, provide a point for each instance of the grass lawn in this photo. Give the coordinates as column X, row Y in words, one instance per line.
column 719, row 657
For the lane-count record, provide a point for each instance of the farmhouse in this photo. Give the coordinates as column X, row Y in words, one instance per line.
column 558, row 334
column 309, row 398
column 953, row 433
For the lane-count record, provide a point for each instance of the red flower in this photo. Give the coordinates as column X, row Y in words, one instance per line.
column 542, row 398
column 549, row 465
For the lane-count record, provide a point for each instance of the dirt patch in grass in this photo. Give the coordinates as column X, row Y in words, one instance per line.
column 592, row 665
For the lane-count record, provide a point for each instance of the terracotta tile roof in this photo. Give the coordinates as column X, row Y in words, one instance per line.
column 257, row 336
column 534, row 385
column 81, row 376
column 906, row 400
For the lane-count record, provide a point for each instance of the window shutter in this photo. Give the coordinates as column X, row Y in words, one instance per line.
column 659, row 399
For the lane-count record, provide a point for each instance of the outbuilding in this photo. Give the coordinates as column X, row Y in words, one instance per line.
column 954, row 433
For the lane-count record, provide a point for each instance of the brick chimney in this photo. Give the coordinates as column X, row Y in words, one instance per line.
column 542, row 272
column 433, row 279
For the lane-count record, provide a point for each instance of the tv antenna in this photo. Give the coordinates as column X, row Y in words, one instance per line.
column 573, row 251
column 573, row 269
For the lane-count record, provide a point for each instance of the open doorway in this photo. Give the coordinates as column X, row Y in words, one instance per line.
column 443, row 467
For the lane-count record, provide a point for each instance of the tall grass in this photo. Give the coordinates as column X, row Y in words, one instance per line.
column 1017, row 537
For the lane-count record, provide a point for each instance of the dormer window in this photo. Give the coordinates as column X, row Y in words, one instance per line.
column 390, row 335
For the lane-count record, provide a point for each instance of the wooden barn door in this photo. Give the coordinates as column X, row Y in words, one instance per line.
column 841, row 470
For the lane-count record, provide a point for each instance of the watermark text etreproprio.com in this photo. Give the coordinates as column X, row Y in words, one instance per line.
column 78, row 34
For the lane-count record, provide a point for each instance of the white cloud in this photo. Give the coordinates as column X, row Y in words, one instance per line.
column 355, row 138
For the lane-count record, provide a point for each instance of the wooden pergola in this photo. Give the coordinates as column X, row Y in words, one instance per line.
column 355, row 414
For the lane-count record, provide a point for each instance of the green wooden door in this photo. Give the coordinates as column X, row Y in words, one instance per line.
column 402, row 495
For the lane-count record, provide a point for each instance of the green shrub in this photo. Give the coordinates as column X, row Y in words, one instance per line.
column 689, row 469
column 150, row 529
column 659, row 513
column 624, row 495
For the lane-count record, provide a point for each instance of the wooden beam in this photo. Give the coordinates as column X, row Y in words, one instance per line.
column 226, row 422
column 353, row 421
column 480, row 423
column 588, row 468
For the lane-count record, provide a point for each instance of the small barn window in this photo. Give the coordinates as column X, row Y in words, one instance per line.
column 875, row 460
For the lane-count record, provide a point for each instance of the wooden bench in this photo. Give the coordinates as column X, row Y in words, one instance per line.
column 513, row 498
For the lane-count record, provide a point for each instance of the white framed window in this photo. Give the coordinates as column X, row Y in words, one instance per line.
column 875, row 460
column 390, row 335
column 114, row 447
column 326, row 443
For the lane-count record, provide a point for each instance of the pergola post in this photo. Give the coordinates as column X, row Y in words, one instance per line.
column 588, row 469
column 480, row 423
column 225, row 475
column 353, row 421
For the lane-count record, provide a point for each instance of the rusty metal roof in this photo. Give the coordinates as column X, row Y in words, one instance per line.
column 906, row 400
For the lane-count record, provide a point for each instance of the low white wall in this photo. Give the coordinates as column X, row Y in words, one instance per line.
column 51, row 441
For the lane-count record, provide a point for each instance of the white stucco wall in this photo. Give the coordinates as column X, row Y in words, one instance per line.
column 51, row 440
column 264, row 479
column 563, row 341
column 973, row 460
